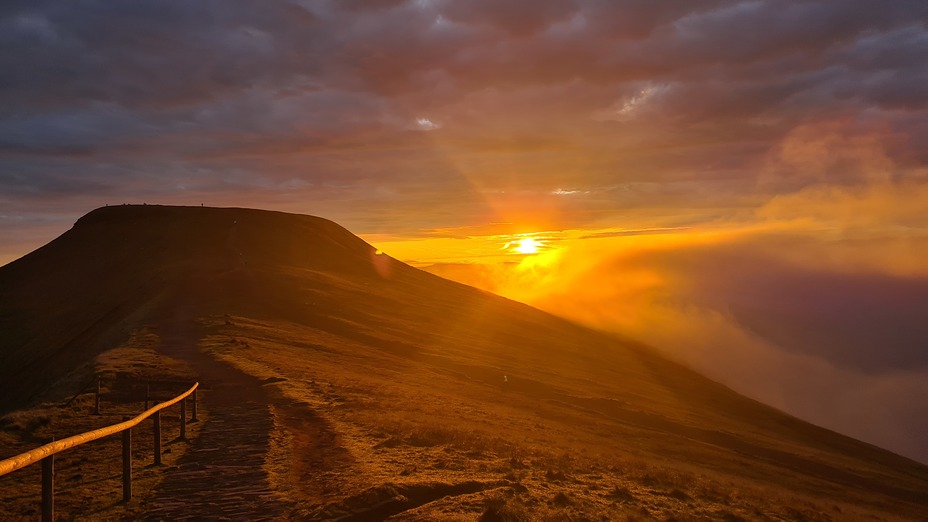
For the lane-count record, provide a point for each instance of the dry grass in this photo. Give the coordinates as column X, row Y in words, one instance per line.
column 416, row 439
column 406, row 424
column 88, row 479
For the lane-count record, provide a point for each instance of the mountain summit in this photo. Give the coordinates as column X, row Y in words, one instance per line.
column 385, row 390
column 83, row 292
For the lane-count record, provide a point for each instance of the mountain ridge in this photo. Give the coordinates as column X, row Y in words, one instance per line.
column 278, row 276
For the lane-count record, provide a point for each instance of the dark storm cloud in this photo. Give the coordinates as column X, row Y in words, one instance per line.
column 746, row 32
column 145, row 54
column 521, row 18
column 403, row 56
column 695, row 92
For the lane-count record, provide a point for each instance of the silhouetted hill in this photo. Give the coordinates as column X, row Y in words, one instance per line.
column 312, row 286
column 84, row 291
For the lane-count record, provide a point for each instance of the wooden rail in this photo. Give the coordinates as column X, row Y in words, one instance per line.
column 45, row 453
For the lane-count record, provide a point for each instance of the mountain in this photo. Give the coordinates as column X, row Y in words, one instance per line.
column 380, row 389
column 84, row 291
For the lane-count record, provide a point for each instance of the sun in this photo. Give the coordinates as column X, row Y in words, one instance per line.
column 527, row 246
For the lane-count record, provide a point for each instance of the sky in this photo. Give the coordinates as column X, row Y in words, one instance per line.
column 742, row 184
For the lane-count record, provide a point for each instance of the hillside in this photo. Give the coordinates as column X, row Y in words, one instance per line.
column 376, row 384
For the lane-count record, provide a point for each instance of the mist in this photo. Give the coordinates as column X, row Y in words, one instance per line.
column 816, row 306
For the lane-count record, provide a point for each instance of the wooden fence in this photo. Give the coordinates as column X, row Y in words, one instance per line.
column 46, row 454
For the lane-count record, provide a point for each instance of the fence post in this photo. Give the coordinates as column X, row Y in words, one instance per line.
column 193, row 417
column 48, row 488
column 183, row 418
column 96, row 400
column 126, row 463
column 157, row 431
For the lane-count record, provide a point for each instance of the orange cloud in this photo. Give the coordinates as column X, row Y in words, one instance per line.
column 780, row 309
column 842, row 150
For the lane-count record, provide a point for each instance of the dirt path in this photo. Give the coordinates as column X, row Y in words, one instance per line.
column 221, row 475
column 318, row 462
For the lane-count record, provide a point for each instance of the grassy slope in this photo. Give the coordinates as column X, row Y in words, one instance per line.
column 409, row 371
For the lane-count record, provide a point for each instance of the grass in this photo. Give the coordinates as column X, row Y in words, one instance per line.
column 408, row 424
column 88, row 478
column 385, row 428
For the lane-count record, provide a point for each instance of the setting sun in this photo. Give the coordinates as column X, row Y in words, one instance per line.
column 527, row 246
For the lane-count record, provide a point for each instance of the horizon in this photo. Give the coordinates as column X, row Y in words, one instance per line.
column 740, row 184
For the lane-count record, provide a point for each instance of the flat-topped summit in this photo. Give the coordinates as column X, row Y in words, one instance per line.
column 386, row 349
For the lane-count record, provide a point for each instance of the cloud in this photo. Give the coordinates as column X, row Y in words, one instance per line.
column 841, row 348
column 631, row 106
column 520, row 18
column 811, row 302
column 788, row 140
column 175, row 78
column 427, row 124
column 656, row 113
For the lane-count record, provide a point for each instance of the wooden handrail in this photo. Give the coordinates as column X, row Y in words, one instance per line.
column 31, row 457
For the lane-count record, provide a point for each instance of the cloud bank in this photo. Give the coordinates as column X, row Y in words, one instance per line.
column 802, row 308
